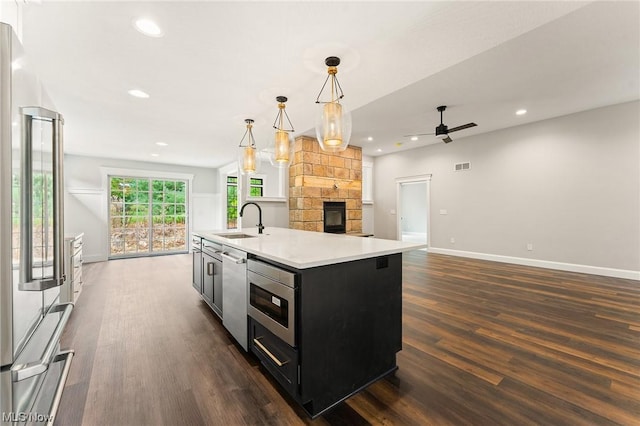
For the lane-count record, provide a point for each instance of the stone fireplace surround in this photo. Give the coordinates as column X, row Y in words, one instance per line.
column 316, row 176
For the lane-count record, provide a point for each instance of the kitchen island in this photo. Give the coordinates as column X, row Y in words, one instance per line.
column 323, row 312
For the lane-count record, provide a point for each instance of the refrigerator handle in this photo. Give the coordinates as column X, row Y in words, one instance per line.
column 27, row 283
column 65, row 357
column 58, row 202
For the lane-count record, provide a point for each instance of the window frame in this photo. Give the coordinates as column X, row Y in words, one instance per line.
column 106, row 172
column 228, row 205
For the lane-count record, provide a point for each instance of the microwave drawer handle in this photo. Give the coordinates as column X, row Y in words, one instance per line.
column 268, row 353
column 233, row 259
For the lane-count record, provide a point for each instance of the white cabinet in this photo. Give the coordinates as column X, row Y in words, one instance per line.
column 72, row 268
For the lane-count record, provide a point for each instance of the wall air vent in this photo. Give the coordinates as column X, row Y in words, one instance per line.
column 460, row 167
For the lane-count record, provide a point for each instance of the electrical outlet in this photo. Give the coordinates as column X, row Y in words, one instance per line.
column 443, row 211
column 453, row 240
column 530, row 246
column 392, row 211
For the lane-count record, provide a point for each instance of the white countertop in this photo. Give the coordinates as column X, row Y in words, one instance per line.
column 306, row 249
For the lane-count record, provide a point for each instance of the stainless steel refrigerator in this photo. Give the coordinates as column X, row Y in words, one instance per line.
column 33, row 369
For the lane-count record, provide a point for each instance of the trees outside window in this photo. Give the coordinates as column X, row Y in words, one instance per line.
column 256, row 187
column 147, row 216
column 232, row 202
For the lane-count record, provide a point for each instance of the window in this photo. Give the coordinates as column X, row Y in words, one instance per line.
column 256, row 187
column 232, row 202
column 147, row 216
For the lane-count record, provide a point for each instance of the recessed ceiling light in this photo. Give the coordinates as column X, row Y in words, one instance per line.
column 162, row 144
column 369, row 138
column 155, row 155
column 521, row 112
column 148, row 27
column 379, row 150
column 414, row 138
column 138, row 93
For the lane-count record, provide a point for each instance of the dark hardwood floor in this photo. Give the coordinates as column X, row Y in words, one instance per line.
column 484, row 344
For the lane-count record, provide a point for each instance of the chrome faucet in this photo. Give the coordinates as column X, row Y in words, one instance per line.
column 260, row 227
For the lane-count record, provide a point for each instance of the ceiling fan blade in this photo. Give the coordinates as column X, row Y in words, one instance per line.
column 447, row 139
column 418, row 134
column 464, row 126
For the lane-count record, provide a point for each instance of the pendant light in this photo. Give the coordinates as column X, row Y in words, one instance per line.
column 333, row 123
column 248, row 159
column 280, row 152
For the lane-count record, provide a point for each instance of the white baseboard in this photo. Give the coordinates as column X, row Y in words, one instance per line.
column 571, row 267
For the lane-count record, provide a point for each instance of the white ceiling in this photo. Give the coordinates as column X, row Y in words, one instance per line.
column 221, row 62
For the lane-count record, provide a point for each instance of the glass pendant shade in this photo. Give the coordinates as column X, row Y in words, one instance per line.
column 333, row 127
column 333, row 122
column 248, row 158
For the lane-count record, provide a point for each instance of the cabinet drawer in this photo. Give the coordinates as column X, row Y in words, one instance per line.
column 76, row 260
column 77, row 245
column 77, row 276
column 280, row 359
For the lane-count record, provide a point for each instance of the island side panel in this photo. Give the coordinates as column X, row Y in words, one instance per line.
column 350, row 327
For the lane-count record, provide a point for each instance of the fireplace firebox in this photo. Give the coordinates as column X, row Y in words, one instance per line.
column 335, row 217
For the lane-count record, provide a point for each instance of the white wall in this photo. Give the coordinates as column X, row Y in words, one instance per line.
column 86, row 198
column 11, row 13
column 368, row 218
column 274, row 214
column 570, row 186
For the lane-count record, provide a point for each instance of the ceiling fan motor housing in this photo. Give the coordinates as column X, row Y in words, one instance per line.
column 442, row 130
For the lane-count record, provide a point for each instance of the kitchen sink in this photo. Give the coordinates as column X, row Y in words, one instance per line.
column 235, row 235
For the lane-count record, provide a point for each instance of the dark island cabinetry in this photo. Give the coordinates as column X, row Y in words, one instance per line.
column 348, row 329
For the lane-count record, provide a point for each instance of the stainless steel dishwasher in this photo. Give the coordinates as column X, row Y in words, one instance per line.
column 234, row 293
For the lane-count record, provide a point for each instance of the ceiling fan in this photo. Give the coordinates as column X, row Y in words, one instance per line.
column 442, row 131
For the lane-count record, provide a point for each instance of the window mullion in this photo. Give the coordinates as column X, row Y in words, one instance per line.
column 150, row 215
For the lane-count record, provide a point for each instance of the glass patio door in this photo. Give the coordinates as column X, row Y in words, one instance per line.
column 147, row 216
